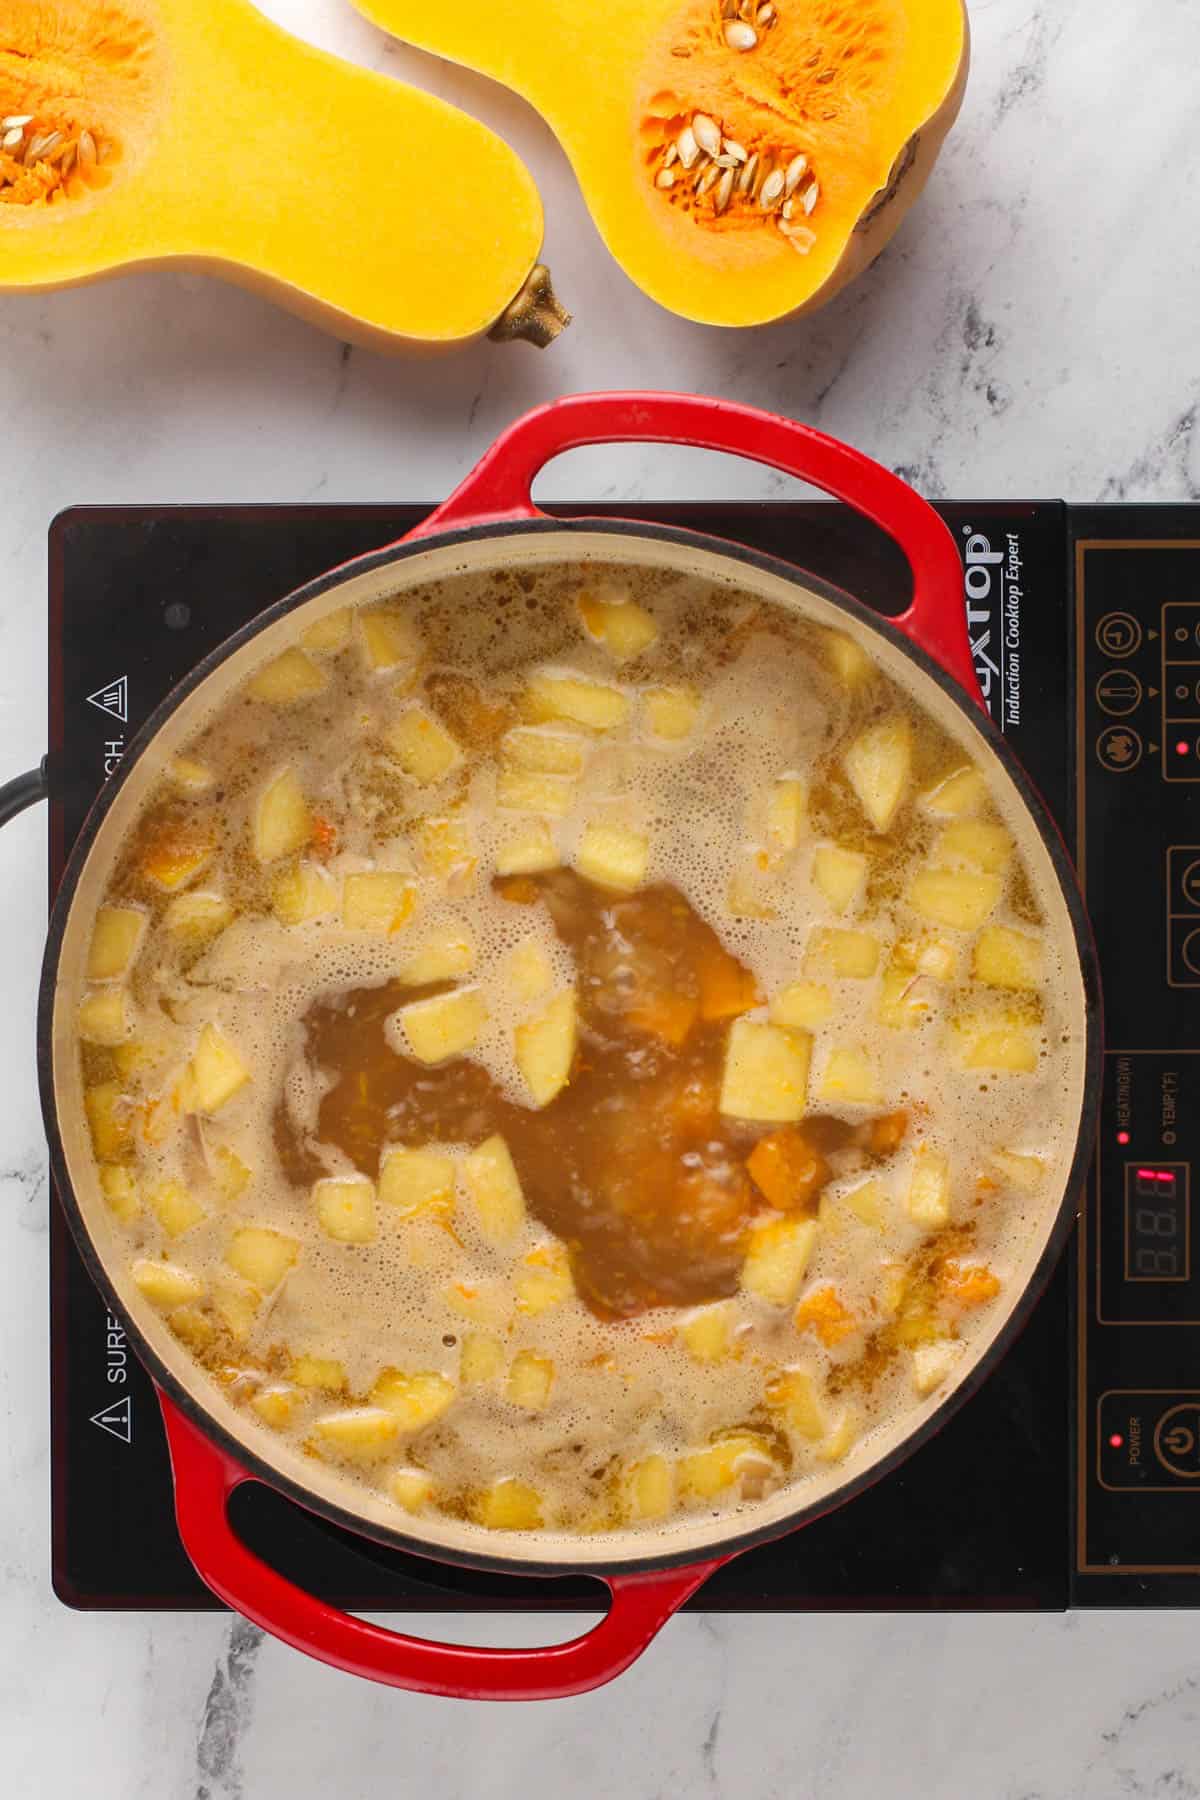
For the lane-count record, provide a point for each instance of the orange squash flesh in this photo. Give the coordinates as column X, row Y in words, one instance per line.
column 862, row 91
column 196, row 134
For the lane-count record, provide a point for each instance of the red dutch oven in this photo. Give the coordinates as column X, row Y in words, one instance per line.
column 490, row 522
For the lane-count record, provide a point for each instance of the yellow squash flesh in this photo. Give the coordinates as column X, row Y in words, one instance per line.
column 863, row 90
column 195, row 134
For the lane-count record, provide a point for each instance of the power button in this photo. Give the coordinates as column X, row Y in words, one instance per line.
column 1177, row 1441
column 1148, row 1440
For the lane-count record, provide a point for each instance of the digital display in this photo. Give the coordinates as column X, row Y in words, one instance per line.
column 1157, row 1234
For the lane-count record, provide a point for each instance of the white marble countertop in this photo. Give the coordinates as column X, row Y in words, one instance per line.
column 1031, row 329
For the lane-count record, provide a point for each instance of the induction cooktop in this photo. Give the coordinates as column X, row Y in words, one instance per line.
column 1073, row 1477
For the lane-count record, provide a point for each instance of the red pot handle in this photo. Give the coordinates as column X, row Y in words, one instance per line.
column 498, row 489
column 205, row 1476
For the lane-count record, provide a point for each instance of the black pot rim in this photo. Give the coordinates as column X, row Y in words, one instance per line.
column 258, row 1468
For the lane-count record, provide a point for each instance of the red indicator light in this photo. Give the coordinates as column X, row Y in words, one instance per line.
column 1122, row 1137
column 1182, row 747
column 1116, row 1440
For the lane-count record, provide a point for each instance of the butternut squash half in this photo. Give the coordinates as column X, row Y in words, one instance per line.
column 195, row 134
column 742, row 159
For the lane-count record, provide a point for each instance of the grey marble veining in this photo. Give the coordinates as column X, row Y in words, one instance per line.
column 1032, row 328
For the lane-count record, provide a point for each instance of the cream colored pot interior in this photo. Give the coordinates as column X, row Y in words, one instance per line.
column 686, row 1535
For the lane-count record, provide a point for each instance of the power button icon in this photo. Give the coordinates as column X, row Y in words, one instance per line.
column 1177, row 1441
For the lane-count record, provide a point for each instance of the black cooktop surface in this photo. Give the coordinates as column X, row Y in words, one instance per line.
column 1074, row 1475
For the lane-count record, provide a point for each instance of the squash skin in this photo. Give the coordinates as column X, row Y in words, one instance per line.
column 336, row 192
column 594, row 111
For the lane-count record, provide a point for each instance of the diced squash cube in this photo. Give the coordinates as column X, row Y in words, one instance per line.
column 417, row 1183
column 416, row 1400
column 966, row 1286
column 528, row 971
column 494, row 1188
column 197, row 917
column 777, row 1259
column 345, row 1208
column 1007, row 959
column 215, row 1074
column 977, row 842
column 320, row 1372
column 446, row 849
column 726, row 988
column 193, row 1327
column 530, row 1379
column 105, row 1017
column 528, row 851
column 848, row 660
column 1021, row 1171
column 648, row 1488
column 543, row 749
column 230, row 1173
column 116, row 939
column 330, row 634
column 957, row 795
column 824, row 1312
column 1003, row 1043
column 110, row 1120
column 422, row 746
column 846, row 955
column 528, row 790
column 176, row 855
column 787, row 812
column 841, row 1437
column 736, row 1459
column 839, row 875
column 868, row 1202
column 120, row 1190
column 786, row 1169
column 671, row 712
column 508, row 1505
column 850, row 1077
column 796, row 1396
column 545, row 1048
column 277, row 1404
column 388, row 639
column 189, row 775
column 445, row 954
column 282, row 821
column 545, row 1279
column 929, row 1189
column 803, row 1004
column 905, row 998
column 707, row 1333
column 482, row 1358
column 959, row 898
column 290, row 677
column 175, row 1208
column 361, row 1433
column 444, row 1026
column 623, row 627
column 593, row 704
column 306, row 892
column 261, row 1256
column 613, row 856
column 165, row 1284
column 878, row 766
column 931, row 1363
column 410, row 1488
column 237, row 1304
column 378, row 900
column 766, row 1072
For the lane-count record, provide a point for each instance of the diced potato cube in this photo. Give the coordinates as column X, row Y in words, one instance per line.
column 215, row 1074
column 508, row 1505
column 445, row 954
column 543, row 749
column 493, row 1185
column 197, row 917
column 957, row 795
column 527, row 790
column 796, row 1396
column 422, row 746
column 331, row 633
column 905, row 998
column 361, row 1433
column 291, row 677
column 446, row 849
column 932, row 956
column 105, row 1017
column 388, row 639
column 416, row 1400
column 839, row 875
column 545, row 1048
column 613, row 856
column 958, row 898
column 282, row 820
column 777, row 1259
column 593, row 704
column 483, row 1303
column 193, row 1327
column 989, row 1040
column 878, row 765
column 1007, row 959
column 1025, row 1173
column 893, row 1288
column 116, row 939
column 345, row 1208
column 306, row 892
column 847, row 955
column 868, row 1202
column 446, row 1025
column 707, row 1333
column 237, row 1304
column 803, row 1004
column 753, row 888
column 261, row 1255
column 410, row 1488
column 320, row 1372
column 175, row 1208
column 671, row 712
column 166, row 1284
column 482, row 1358
column 931, row 1363
column 418, row 1183
column 276, row 1404
column 529, row 971
column 982, row 844
column 120, row 1190
column 766, row 1072
column 849, row 661
column 189, row 775
column 230, row 1173
column 545, row 1279
column 787, row 812
column 378, row 900
column 850, row 1077
column 648, row 1488
column 841, row 1437
column 929, row 1189
column 623, row 627
column 786, row 1169
column 528, row 851
column 734, row 1459
column 110, row 1119
column 530, row 1379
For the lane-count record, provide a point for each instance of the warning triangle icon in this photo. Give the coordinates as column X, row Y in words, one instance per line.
column 113, row 698
column 117, row 1419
